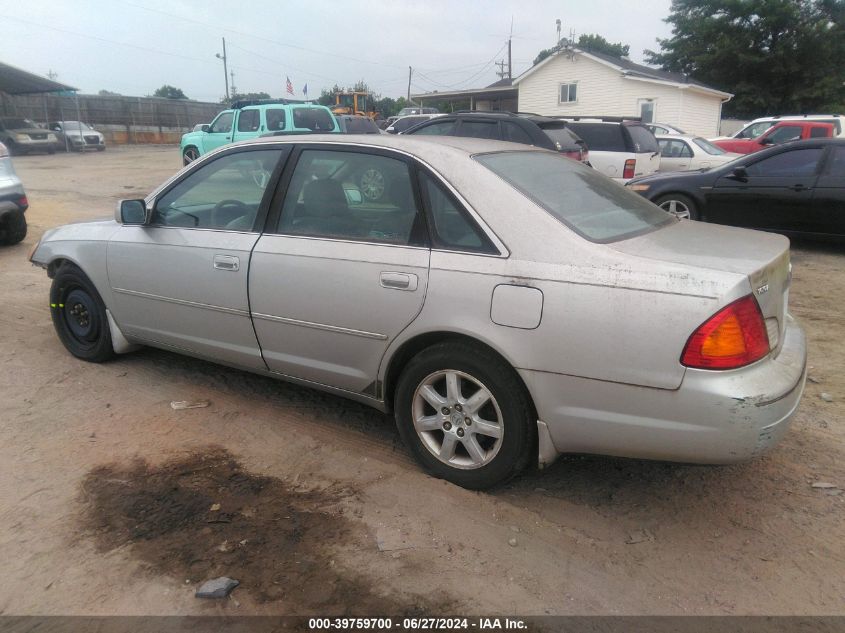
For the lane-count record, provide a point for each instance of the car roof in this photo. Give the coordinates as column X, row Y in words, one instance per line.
column 424, row 147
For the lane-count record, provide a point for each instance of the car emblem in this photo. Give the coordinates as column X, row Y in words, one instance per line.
column 763, row 289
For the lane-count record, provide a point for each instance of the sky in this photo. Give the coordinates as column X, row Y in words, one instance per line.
column 133, row 47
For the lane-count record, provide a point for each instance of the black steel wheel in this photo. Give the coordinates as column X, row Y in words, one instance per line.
column 79, row 315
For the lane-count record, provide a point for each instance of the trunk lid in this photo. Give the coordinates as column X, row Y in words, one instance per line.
column 763, row 258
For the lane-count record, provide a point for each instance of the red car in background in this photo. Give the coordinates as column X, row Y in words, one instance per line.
column 783, row 132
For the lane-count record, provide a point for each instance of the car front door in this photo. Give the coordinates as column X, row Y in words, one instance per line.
column 248, row 126
column 338, row 275
column 181, row 280
column 776, row 193
column 219, row 132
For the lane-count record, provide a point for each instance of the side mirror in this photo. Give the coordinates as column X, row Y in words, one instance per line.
column 205, row 127
column 56, row 128
column 132, row 212
column 739, row 173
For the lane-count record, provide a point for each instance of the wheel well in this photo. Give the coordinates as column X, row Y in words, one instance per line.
column 53, row 266
column 414, row 346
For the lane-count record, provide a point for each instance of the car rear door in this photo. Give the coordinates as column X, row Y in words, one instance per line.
column 829, row 196
column 248, row 125
column 181, row 281
column 777, row 193
column 338, row 275
column 675, row 154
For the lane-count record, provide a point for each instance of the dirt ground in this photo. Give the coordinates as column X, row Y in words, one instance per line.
column 113, row 503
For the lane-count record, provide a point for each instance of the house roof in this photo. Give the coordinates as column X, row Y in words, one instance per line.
column 15, row 81
column 502, row 89
column 630, row 69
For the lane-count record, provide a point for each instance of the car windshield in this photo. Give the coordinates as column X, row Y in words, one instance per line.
column 75, row 125
column 18, row 124
column 587, row 202
column 708, row 147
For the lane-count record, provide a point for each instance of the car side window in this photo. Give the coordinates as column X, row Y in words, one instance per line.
column 223, row 194
column 798, row 162
column 222, row 123
column 479, row 129
column 248, row 121
column 441, row 128
column 836, row 166
column 818, row 132
column 515, row 134
column 452, row 228
column 275, row 119
column 785, row 134
column 350, row 195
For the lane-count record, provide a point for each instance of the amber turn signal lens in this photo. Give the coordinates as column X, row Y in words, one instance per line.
column 733, row 337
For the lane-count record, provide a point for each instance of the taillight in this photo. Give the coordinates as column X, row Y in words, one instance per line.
column 630, row 166
column 585, row 156
column 733, row 337
column 23, row 202
column 573, row 155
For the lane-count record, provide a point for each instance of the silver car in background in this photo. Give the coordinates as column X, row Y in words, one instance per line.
column 76, row 136
column 505, row 303
column 13, row 201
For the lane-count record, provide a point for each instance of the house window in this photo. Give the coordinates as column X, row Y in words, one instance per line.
column 568, row 93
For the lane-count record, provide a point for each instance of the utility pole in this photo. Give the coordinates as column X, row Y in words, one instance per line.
column 501, row 72
column 234, row 90
column 51, row 74
column 225, row 68
column 410, row 71
column 510, row 66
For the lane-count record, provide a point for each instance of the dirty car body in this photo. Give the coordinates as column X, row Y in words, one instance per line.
column 507, row 305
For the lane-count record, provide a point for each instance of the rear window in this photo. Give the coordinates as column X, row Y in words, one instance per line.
column 603, row 137
column 587, row 202
column 361, row 125
column 315, row 119
column 644, row 141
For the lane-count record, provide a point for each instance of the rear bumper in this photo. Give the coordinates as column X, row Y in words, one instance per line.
column 714, row 417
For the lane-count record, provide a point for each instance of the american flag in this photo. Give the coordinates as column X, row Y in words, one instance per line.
column 289, row 86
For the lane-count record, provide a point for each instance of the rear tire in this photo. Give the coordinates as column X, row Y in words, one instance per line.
column 79, row 315
column 12, row 228
column 454, row 437
column 190, row 155
column 679, row 205
column 51, row 151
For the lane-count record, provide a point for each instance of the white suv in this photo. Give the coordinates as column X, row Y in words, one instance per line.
column 619, row 148
column 758, row 126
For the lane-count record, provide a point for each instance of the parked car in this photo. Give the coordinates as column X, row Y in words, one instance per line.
column 663, row 128
column 783, row 132
column 252, row 119
column 77, row 136
column 13, row 202
column 23, row 136
column 685, row 153
column 619, row 148
column 417, row 110
column 539, row 131
column 597, row 323
column 793, row 188
column 756, row 127
column 400, row 124
column 355, row 124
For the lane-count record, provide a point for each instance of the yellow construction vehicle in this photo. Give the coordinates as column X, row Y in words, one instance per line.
column 353, row 103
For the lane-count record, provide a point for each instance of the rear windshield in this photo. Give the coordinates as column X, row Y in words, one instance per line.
column 708, row 147
column 644, row 141
column 592, row 205
column 361, row 125
column 315, row 119
column 603, row 137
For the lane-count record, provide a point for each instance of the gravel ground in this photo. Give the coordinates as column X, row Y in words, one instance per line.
column 113, row 503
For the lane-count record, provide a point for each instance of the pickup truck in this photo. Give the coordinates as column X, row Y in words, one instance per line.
column 782, row 132
column 251, row 119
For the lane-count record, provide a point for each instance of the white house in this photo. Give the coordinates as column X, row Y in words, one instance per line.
column 575, row 82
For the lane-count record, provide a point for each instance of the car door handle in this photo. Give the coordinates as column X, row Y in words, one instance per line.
column 227, row 262
column 398, row 281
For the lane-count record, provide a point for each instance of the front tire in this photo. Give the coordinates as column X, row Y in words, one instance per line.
column 679, row 205
column 465, row 415
column 190, row 155
column 79, row 315
column 12, row 228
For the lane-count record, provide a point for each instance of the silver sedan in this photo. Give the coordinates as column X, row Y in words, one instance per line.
column 505, row 303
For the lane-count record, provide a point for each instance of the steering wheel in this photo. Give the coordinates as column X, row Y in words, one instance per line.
column 226, row 211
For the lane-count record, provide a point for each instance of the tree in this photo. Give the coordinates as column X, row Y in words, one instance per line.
column 245, row 96
column 587, row 42
column 776, row 56
column 169, row 92
column 108, row 93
